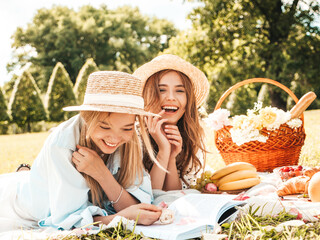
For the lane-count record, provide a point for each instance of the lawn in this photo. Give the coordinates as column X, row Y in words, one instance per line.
column 23, row 148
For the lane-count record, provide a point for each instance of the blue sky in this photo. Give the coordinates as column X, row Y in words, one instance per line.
column 15, row 13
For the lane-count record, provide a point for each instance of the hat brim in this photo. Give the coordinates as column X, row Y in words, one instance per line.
column 107, row 108
column 172, row 62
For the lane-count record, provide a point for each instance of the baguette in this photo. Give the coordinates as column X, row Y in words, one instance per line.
column 302, row 104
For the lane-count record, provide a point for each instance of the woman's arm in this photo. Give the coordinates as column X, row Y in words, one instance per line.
column 172, row 180
column 156, row 131
column 90, row 163
column 145, row 214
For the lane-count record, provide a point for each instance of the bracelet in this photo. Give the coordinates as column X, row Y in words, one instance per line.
column 114, row 202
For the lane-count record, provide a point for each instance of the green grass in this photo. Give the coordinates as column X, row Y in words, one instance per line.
column 19, row 148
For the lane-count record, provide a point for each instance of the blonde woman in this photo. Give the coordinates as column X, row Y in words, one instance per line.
column 89, row 164
column 174, row 89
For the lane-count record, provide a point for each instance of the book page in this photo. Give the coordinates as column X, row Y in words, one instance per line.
column 194, row 214
column 204, row 206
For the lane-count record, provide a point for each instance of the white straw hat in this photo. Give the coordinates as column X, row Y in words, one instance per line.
column 173, row 62
column 111, row 91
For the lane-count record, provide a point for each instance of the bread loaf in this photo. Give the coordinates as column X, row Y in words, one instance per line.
column 302, row 104
column 314, row 189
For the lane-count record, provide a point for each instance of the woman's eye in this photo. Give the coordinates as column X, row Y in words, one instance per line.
column 128, row 129
column 162, row 90
column 106, row 128
column 180, row 91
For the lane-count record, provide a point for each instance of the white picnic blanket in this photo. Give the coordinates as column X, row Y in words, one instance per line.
column 262, row 196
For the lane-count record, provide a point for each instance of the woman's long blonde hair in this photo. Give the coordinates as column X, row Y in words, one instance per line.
column 189, row 124
column 131, row 165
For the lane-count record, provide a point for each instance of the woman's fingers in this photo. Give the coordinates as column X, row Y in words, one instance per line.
column 149, row 207
column 77, row 155
column 159, row 123
column 174, row 137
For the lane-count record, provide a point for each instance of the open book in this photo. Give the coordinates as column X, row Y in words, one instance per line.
column 194, row 214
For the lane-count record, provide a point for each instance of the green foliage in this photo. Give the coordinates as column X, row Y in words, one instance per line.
column 3, row 108
column 236, row 40
column 81, row 82
column 250, row 226
column 25, row 103
column 59, row 94
column 120, row 39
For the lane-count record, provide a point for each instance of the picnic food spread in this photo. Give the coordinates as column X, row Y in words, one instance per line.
column 297, row 180
column 239, row 175
column 235, row 176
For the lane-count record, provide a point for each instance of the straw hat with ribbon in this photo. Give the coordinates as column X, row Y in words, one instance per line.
column 168, row 61
column 111, row 91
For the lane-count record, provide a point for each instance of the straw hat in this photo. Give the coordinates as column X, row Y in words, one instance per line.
column 168, row 61
column 111, row 91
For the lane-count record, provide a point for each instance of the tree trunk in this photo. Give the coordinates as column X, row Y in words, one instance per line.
column 276, row 100
column 28, row 127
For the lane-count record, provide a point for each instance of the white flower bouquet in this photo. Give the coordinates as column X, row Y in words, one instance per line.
column 247, row 128
column 266, row 137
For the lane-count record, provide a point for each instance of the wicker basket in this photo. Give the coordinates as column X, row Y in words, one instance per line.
column 282, row 147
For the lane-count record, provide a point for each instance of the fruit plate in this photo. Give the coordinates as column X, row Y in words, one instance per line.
column 287, row 172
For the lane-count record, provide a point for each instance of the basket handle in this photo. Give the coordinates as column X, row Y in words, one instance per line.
column 255, row 80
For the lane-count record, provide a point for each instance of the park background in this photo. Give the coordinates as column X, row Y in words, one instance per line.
column 54, row 49
column 53, row 53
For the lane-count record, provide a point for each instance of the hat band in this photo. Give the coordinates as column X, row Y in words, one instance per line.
column 120, row 100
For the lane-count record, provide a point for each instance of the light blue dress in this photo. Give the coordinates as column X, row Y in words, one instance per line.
column 54, row 194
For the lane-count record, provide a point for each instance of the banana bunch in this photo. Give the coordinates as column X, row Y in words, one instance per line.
column 235, row 176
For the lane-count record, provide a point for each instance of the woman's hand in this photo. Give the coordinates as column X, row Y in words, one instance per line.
column 174, row 137
column 146, row 214
column 154, row 125
column 88, row 161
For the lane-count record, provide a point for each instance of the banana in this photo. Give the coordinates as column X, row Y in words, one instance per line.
column 232, row 168
column 239, row 184
column 238, row 175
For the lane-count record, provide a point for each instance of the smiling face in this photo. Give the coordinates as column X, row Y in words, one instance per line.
column 173, row 98
column 112, row 131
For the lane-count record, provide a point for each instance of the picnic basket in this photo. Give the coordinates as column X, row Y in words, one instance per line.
column 282, row 147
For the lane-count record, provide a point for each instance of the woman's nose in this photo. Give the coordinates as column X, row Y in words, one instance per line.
column 113, row 139
column 170, row 95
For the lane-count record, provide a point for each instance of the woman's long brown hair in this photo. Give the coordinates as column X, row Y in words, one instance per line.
column 189, row 124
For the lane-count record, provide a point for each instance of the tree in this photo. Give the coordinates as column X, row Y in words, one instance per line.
column 81, row 82
column 25, row 105
column 120, row 39
column 3, row 108
column 59, row 94
column 236, row 40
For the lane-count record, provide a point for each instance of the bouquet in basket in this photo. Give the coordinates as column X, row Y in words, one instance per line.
column 247, row 128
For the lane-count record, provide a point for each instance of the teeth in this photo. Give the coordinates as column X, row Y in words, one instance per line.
column 110, row 144
column 170, row 107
